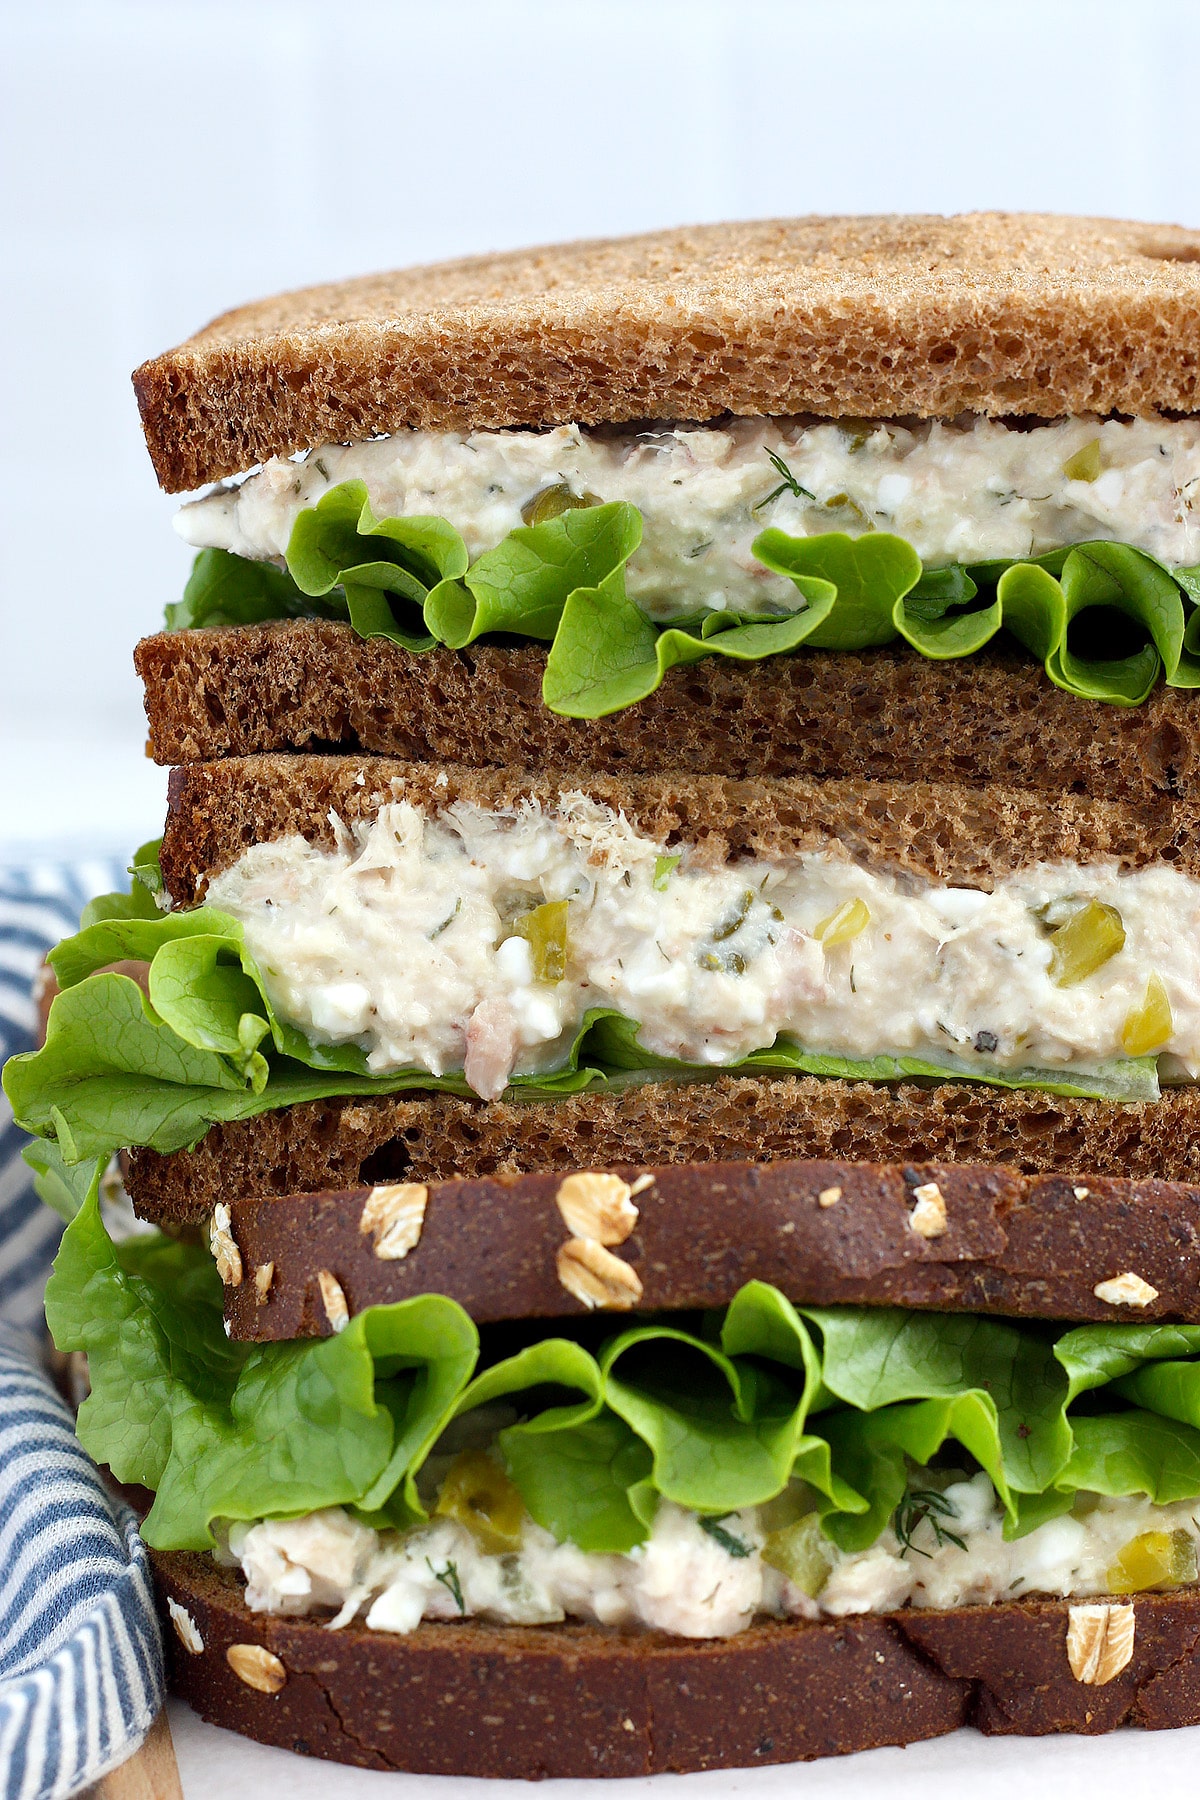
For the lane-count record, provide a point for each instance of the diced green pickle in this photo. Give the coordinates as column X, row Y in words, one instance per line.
column 727, row 962
column 801, row 1553
column 1089, row 938
column 1085, row 464
column 735, row 919
column 545, row 931
column 851, row 917
column 664, row 867
column 1150, row 1025
column 842, row 503
column 1154, row 1559
column 795, row 1502
column 857, row 432
column 550, row 502
column 478, row 1493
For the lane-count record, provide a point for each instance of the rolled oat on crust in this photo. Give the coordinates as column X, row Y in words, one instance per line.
column 888, row 714
column 935, row 831
column 878, row 316
column 353, row 1142
column 571, row 1701
column 1017, row 1245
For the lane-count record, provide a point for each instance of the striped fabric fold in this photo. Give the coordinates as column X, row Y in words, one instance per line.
column 81, row 1672
column 81, row 1675
column 38, row 905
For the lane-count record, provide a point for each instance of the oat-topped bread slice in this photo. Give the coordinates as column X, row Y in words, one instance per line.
column 942, row 1237
column 653, row 1705
column 1008, row 314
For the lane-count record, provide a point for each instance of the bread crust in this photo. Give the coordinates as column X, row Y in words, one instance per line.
column 933, row 831
column 314, row 685
column 875, row 316
column 574, row 1701
column 824, row 1233
column 345, row 1143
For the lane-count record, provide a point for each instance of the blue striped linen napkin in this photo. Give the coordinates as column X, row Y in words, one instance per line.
column 81, row 1672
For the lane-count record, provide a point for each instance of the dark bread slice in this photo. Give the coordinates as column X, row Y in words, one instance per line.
column 824, row 1233
column 1016, row 313
column 572, row 1701
column 939, row 832
column 347, row 1143
column 312, row 684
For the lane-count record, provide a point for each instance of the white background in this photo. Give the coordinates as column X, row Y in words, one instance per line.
column 1129, row 1766
column 161, row 160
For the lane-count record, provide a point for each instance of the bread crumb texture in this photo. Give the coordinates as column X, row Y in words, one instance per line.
column 343, row 1143
column 577, row 1701
column 877, row 316
column 304, row 684
column 935, row 832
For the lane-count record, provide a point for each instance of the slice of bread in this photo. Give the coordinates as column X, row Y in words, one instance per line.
column 824, row 1233
column 876, row 316
column 933, row 831
column 309, row 684
column 573, row 1701
column 347, row 1143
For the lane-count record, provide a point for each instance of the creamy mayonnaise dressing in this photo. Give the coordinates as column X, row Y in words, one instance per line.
column 683, row 1579
column 958, row 492
column 405, row 940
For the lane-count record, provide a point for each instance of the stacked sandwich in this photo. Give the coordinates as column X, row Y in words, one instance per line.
column 662, row 1032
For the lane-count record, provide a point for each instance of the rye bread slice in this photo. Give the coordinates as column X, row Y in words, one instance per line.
column 889, row 714
column 347, row 1143
column 875, row 316
column 938, row 832
column 572, row 1701
column 824, row 1233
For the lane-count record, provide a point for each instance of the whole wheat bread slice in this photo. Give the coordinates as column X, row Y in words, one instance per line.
column 936, row 831
column 572, row 1701
column 878, row 316
column 308, row 684
column 824, row 1233
column 348, row 1143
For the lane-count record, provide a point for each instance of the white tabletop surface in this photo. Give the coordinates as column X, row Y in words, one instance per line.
column 1125, row 1765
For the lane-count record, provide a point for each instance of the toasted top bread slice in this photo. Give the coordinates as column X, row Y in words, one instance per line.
column 878, row 316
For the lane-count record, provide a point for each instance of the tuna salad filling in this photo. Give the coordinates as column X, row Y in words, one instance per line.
column 480, row 1555
column 483, row 941
column 963, row 491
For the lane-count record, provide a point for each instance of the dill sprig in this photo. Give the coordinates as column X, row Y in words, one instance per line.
column 733, row 1546
column 447, row 921
column 788, row 485
column 920, row 1506
column 449, row 1579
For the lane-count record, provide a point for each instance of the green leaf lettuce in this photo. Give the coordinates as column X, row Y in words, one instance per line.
column 197, row 1042
column 562, row 582
column 713, row 1415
